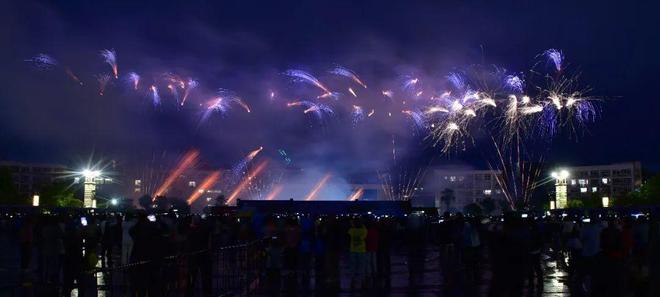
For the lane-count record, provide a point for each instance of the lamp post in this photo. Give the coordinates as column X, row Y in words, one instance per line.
column 561, row 196
column 90, row 187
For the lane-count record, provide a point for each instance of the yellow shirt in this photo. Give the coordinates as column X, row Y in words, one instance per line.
column 358, row 239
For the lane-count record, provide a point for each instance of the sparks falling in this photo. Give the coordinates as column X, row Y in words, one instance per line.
column 155, row 98
column 348, row 73
column 246, row 181
column 103, row 80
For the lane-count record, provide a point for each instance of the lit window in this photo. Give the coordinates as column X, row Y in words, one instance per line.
column 573, row 182
column 138, row 182
column 487, row 192
column 76, row 180
column 605, row 181
column 583, row 190
column 452, row 178
column 583, row 182
column 594, row 189
column 192, row 184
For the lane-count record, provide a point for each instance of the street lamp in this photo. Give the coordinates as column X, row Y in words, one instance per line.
column 113, row 201
column 90, row 176
column 560, row 176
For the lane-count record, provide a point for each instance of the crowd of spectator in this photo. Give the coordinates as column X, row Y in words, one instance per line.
column 298, row 253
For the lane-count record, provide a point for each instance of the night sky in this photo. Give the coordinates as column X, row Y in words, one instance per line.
column 244, row 46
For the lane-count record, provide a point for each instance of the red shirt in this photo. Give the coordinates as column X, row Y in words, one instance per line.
column 372, row 240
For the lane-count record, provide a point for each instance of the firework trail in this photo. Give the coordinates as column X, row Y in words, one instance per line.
column 110, row 57
column 371, row 113
column 222, row 104
column 457, row 80
column 271, row 95
column 417, row 117
column 357, row 194
column 277, row 189
column 246, row 181
column 387, row 93
column 350, row 90
column 192, row 84
column 134, row 80
column 556, row 57
column 155, row 98
column 312, row 194
column 317, row 108
column 207, row 183
column 103, row 80
column 435, row 109
column 174, row 91
column 393, row 149
column 515, row 175
column 302, row 76
column 339, row 70
column 404, row 184
column 409, row 82
column 239, row 169
column 188, row 160
column 43, row 61
column 357, row 114
column 73, row 76
column 333, row 95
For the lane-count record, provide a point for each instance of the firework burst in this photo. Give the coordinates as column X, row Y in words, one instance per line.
column 43, row 61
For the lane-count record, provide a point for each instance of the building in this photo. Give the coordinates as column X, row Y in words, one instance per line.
column 30, row 178
column 612, row 181
column 468, row 186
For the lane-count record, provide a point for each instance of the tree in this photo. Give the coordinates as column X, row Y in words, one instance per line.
column 473, row 209
column 58, row 194
column 145, row 201
column 488, row 205
column 447, row 197
column 650, row 190
column 648, row 194
column 8, row 193
column 574, row 203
